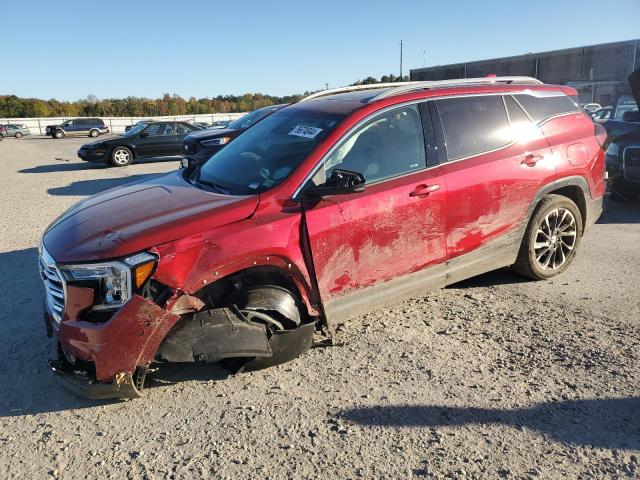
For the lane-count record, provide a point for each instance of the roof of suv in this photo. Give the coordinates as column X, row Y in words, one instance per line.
column 348, row 99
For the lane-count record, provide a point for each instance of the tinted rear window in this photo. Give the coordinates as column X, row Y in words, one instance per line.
column 473, row 125
column 541, row 108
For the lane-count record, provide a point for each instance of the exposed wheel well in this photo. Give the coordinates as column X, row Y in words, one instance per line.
column 214, row 293
column 575, row 193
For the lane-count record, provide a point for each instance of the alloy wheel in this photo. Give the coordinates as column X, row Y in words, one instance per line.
column 555, row 239
column 121, row 157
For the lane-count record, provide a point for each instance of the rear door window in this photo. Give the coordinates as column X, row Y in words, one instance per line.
column 542, row 108
column 160, row 129
column 473, row 125
column 387, row 145
column 184, row 129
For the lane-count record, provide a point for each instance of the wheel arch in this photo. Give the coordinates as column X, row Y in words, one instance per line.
column 575, row 188
column 212, row 283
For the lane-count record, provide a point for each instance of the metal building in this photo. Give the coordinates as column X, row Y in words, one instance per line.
column 598, row 72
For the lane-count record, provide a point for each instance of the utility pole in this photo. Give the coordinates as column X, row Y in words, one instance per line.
column 326, row 86
column 400, row 60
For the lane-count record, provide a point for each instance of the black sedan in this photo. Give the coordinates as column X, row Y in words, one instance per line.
column 200, row 146
column 159, row 140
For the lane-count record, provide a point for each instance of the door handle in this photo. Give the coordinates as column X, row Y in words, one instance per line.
column 530, row 159
column 424, row 190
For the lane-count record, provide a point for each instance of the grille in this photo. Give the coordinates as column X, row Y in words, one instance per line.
column 54, row 286
column 631, row 163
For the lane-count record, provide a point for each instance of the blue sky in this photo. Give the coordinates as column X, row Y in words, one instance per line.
column 70, row 49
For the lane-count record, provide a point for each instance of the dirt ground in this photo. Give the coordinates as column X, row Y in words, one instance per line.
column 496, row 377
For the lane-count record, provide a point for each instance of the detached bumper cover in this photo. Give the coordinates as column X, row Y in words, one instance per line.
column 128, row 340
column 122, row 387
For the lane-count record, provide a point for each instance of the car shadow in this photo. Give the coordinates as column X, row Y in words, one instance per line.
column 63, row 166
column 618, row 211
column 612, row 423
column 93, row 186
column 502, row 276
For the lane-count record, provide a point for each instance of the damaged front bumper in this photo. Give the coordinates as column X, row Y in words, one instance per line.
column 103, row 360
column 109, row 360
column 80, row 383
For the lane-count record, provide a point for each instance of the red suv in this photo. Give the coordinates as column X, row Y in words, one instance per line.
column 328, row 208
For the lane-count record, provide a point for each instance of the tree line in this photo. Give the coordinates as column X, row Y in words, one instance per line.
column 12, row 106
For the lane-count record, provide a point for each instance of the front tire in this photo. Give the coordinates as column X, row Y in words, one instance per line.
column 58, row 134
column 121, row 157
column 94, row 133
column 551, row 239
column 282, row 315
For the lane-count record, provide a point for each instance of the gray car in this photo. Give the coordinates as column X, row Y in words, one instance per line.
column 18, row 131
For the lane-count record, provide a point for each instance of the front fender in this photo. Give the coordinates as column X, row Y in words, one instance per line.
column 193, row 262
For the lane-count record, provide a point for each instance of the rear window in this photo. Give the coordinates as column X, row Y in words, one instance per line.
column 541, row 108
column 473, row 125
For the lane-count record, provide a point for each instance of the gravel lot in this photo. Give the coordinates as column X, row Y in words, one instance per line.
column 497, row 377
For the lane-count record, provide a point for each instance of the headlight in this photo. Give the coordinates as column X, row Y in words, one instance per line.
column 113, row 282
column 613, row 149
column 216, row 141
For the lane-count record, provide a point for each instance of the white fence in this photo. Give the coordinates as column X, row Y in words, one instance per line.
column 116, row 124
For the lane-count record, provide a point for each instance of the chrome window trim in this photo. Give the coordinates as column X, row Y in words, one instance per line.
column 315, row 169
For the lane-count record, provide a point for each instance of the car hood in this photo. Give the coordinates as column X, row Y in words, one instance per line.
column 140, row 215
column 209, row 134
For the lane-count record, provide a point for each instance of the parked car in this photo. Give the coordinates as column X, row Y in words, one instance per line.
column 78, row 126
column 199, row 146
column 625, row 118
column 220, row 124
column 145, row 140
column 3, row 132
column 602, row 115
column 129, row 127
column 324, row 210
column 623, row 153
column 15, row 130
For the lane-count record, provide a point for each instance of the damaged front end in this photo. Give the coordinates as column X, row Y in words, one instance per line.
column 223, row 333
column 107, row 356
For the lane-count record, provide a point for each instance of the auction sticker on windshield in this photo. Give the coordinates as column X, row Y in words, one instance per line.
column 305, row 131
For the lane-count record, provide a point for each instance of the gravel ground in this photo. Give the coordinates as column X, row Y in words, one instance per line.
column 496, row 377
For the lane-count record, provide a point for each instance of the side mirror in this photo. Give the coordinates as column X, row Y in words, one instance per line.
column 143, row 135
column 340, row 182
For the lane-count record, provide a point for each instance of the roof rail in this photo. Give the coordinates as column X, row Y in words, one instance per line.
column 353, row 88
column 396, row 88
column 412, row 86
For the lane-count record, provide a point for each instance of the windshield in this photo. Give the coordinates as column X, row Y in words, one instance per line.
column 250, row 118
column 137, row 128
column 266, row 154
column 626, row 103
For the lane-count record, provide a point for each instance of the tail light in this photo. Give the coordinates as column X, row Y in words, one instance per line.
column 600, row 134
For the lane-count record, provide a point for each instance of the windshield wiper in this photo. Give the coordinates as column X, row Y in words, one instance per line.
column 217, row 187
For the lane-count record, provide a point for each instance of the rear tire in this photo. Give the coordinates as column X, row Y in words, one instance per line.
column 18, row 135
column 94, row 133
column 551, row 239
column 121, row 157
column 58, row 134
